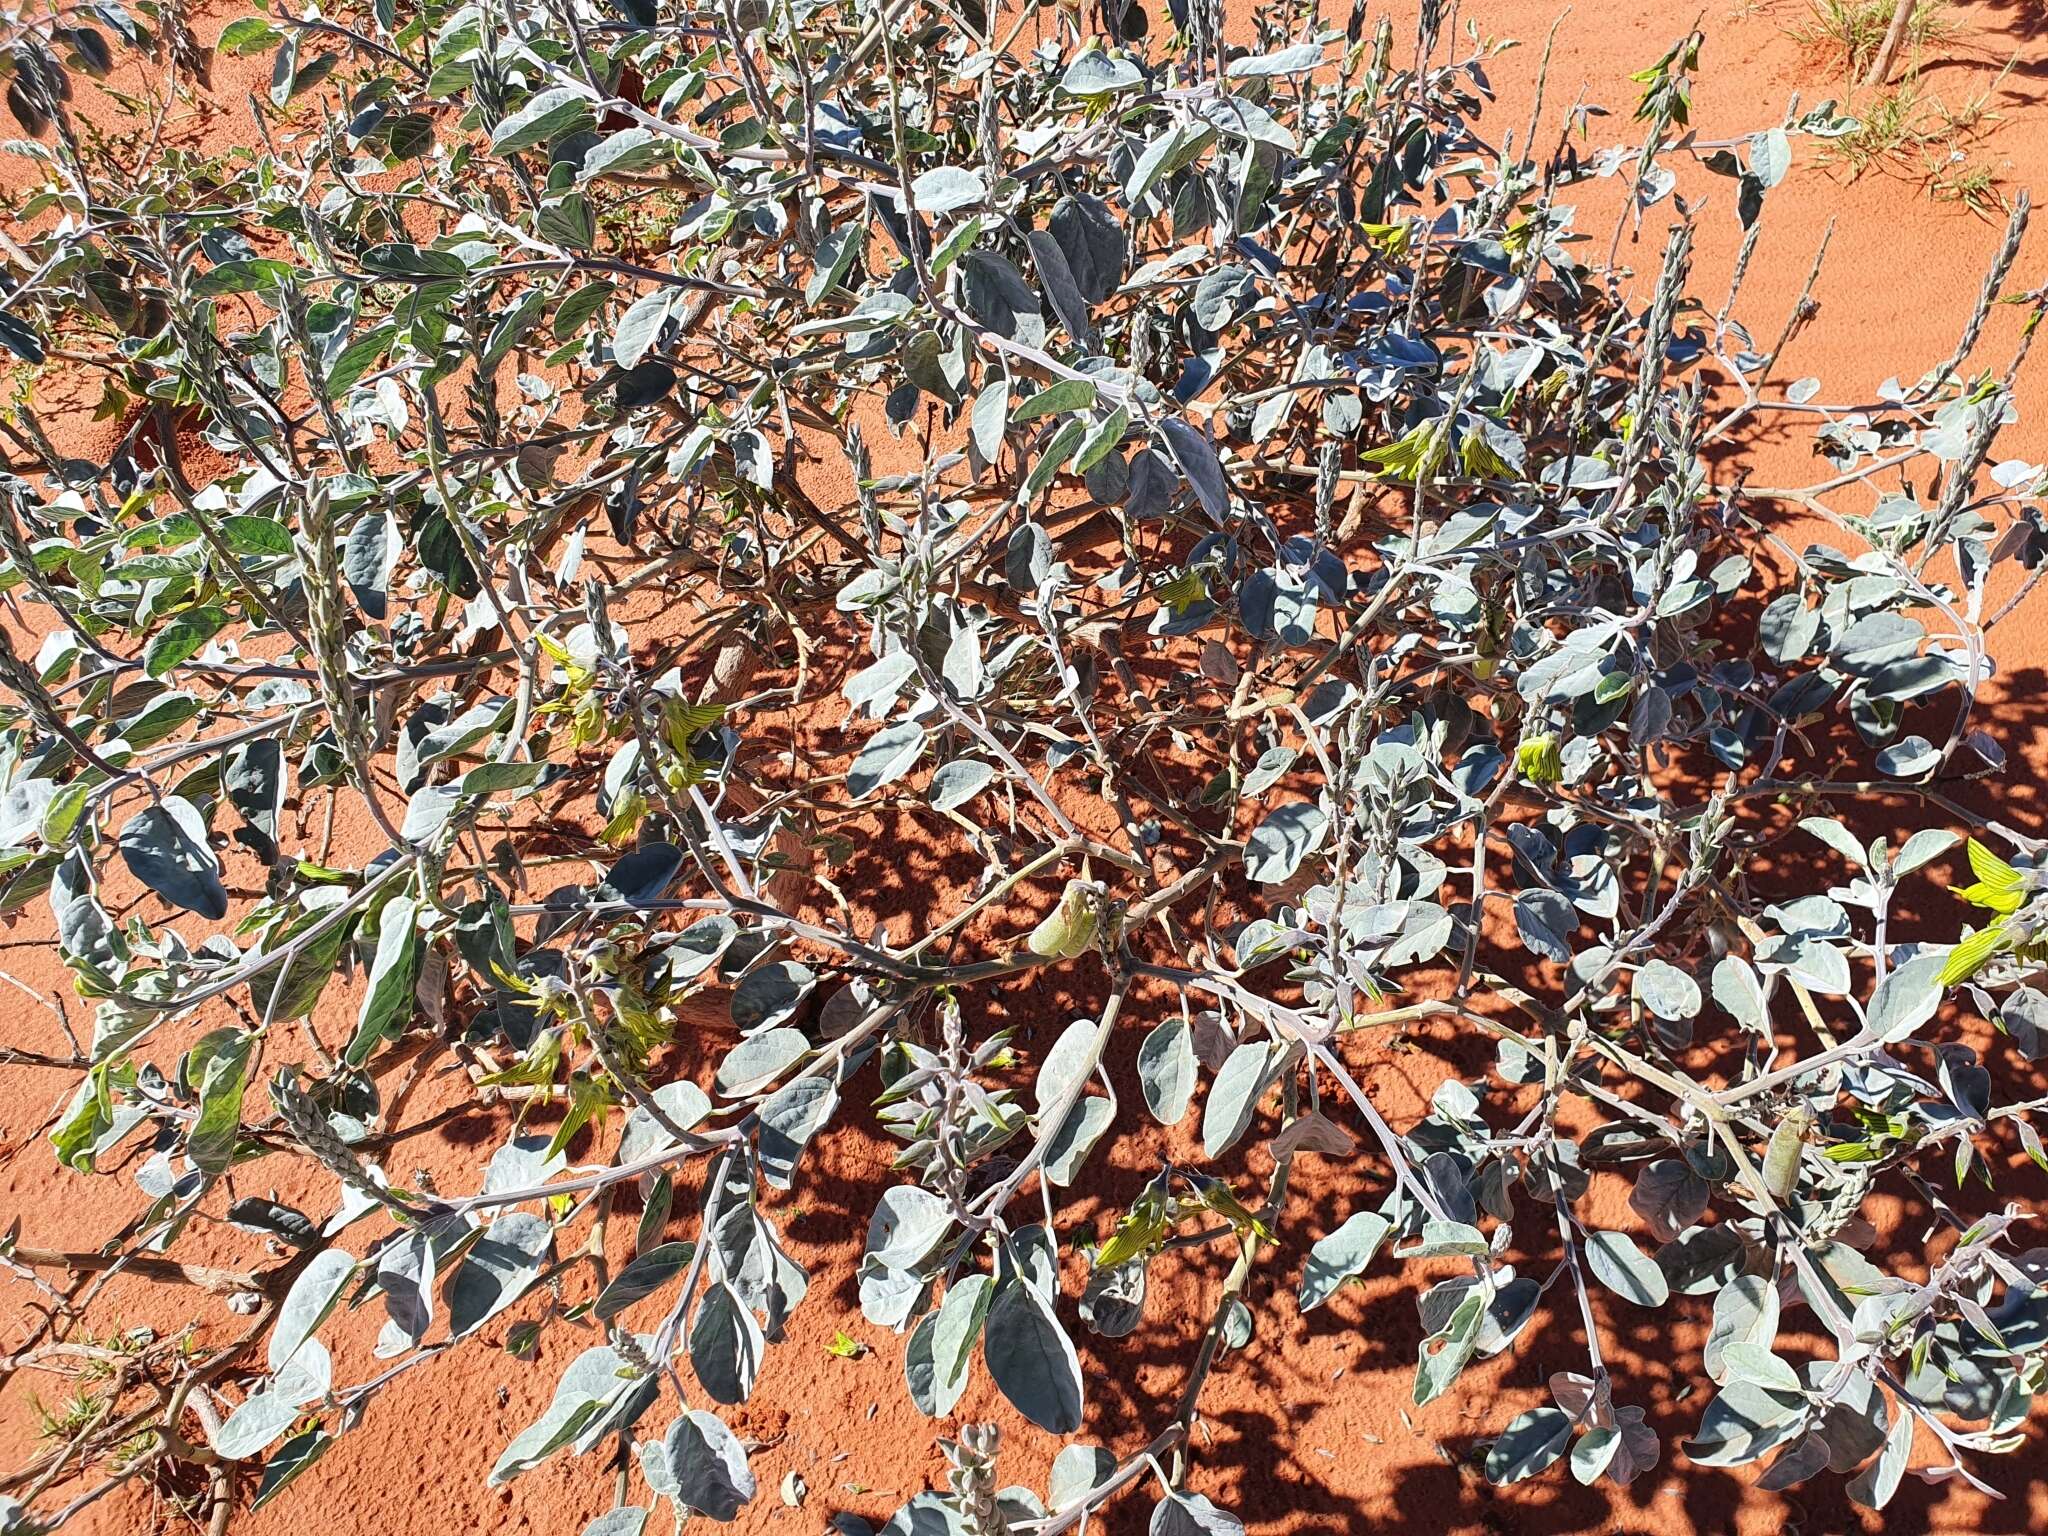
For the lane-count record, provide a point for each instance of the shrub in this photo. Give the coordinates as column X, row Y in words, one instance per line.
column 1282, row 562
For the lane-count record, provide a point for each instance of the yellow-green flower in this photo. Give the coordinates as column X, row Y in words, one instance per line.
column 1537, row 760
column 1998, row 885
column 1137, row 1233
column 1415, row 455
column 1219, row 1197
column 2004, row 890
column 1141, row 1229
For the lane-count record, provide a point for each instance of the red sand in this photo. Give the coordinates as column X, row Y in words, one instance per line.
column 1309, row 1428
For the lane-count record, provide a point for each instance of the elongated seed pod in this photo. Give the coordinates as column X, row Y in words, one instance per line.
column 1069, row 929
column 1781, row 1159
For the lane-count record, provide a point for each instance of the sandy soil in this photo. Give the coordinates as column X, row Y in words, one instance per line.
column 1308, row 1429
